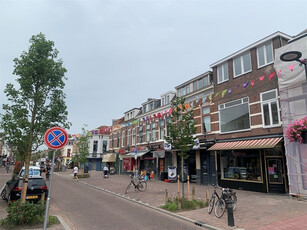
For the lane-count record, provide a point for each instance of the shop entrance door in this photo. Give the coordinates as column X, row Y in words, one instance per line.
column 275, row 174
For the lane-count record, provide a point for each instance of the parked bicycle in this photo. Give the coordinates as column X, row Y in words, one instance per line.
column 138, row 183
column 220, row 202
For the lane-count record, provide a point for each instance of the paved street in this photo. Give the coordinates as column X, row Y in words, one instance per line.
column 254, row 210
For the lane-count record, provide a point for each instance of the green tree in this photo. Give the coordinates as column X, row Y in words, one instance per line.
column 38, row 103
column 82, row 150
column 180, row 131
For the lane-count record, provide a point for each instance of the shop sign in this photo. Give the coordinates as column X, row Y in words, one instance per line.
column 160, row 154
column 196, row 144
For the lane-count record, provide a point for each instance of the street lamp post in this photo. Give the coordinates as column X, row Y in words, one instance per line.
column 294, row 56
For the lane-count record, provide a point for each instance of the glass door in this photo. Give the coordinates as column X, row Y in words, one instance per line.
column 275, row 175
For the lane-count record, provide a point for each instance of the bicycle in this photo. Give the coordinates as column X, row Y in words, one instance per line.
column 228, row 197
column 138, row 183
column 220, row 204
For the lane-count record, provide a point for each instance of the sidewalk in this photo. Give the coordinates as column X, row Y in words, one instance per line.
column 255, row 211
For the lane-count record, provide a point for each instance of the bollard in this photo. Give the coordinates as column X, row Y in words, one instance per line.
column 230, row 218
column 166, row 196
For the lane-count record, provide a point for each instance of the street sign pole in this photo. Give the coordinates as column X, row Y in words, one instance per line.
column 48, row 199
column 55, row 138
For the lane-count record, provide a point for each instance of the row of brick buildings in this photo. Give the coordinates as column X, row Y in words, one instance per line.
column 238, row 118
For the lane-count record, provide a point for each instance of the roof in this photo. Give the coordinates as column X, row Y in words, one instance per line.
column 255, row 44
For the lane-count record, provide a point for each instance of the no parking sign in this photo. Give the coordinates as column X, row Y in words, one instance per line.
column 55, row 138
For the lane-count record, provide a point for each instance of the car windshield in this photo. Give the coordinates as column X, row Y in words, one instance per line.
column 35, row 172
column 34, row 182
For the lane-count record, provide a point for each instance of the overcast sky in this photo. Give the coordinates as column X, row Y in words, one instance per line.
column 118, row 53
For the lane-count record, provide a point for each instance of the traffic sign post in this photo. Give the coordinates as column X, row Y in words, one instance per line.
column 55, row 138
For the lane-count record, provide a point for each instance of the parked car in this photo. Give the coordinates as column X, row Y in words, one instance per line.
column 33, row 171
column 36, row 188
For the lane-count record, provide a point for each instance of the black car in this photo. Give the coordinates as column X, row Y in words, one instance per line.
column 36, row 188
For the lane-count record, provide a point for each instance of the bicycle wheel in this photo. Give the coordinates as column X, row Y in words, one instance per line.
column 233, row 198
column 142, row 186
column 211, row 204
column 128, row 187
column 220, row 207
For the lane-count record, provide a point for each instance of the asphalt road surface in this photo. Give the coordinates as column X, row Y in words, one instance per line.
column 88, row 208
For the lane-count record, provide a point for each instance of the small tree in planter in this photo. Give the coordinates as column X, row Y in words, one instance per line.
column 296, row 131
column 181, row 130
column 82, row 150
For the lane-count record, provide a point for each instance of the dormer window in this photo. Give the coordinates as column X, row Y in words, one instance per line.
column 163, row 101
column 167, row 99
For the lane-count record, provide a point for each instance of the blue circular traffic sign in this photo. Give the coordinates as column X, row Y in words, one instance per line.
column 55, row 138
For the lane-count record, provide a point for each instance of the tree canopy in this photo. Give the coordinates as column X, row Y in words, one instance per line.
column 39, row 101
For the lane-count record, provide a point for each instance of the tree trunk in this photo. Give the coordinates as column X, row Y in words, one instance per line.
column 182, row 175
column 25, row 178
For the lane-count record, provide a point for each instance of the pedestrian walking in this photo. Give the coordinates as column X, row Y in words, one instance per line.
column 76, row 173
column 105, row 171
column 8, row 164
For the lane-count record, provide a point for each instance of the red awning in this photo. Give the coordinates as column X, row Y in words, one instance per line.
column 248, row 144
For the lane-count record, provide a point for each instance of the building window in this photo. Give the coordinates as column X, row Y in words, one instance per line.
column 133, row 137
column 144, row 109
column 161, row 128
column 206, row 119
column 129, row 138
column 242, row 64
column 222, row 73
column 117, row 143
column 168, row 120
column 270, row 108
column 68, row 152
column 95, row 146
column 163, row 101
column 153, row 131
column 147, row 132
column 141, row 134
column 188, row 89
column 104, row 146
column 241, row 165
column 206, row 81
column 200, row 83
column 265, row 55
column 112, row 140
column 234, row 116
column 151, row 106
column 167, row 99
column 123, row 138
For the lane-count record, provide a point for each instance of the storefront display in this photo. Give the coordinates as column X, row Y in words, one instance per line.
column 238, row 165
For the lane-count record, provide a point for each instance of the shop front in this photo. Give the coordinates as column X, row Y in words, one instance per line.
column 255, row 165
column 109, row 159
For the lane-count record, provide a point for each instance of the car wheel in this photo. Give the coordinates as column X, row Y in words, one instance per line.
column 3, row 193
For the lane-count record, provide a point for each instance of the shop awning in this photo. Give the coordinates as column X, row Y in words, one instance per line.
column 139, row 154
column 265, row 143
column 110, row 157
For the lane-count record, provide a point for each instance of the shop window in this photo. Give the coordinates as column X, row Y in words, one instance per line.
column 241, row 165
column 234, row 116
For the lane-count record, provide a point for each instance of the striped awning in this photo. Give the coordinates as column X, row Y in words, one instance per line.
column 248, row 144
